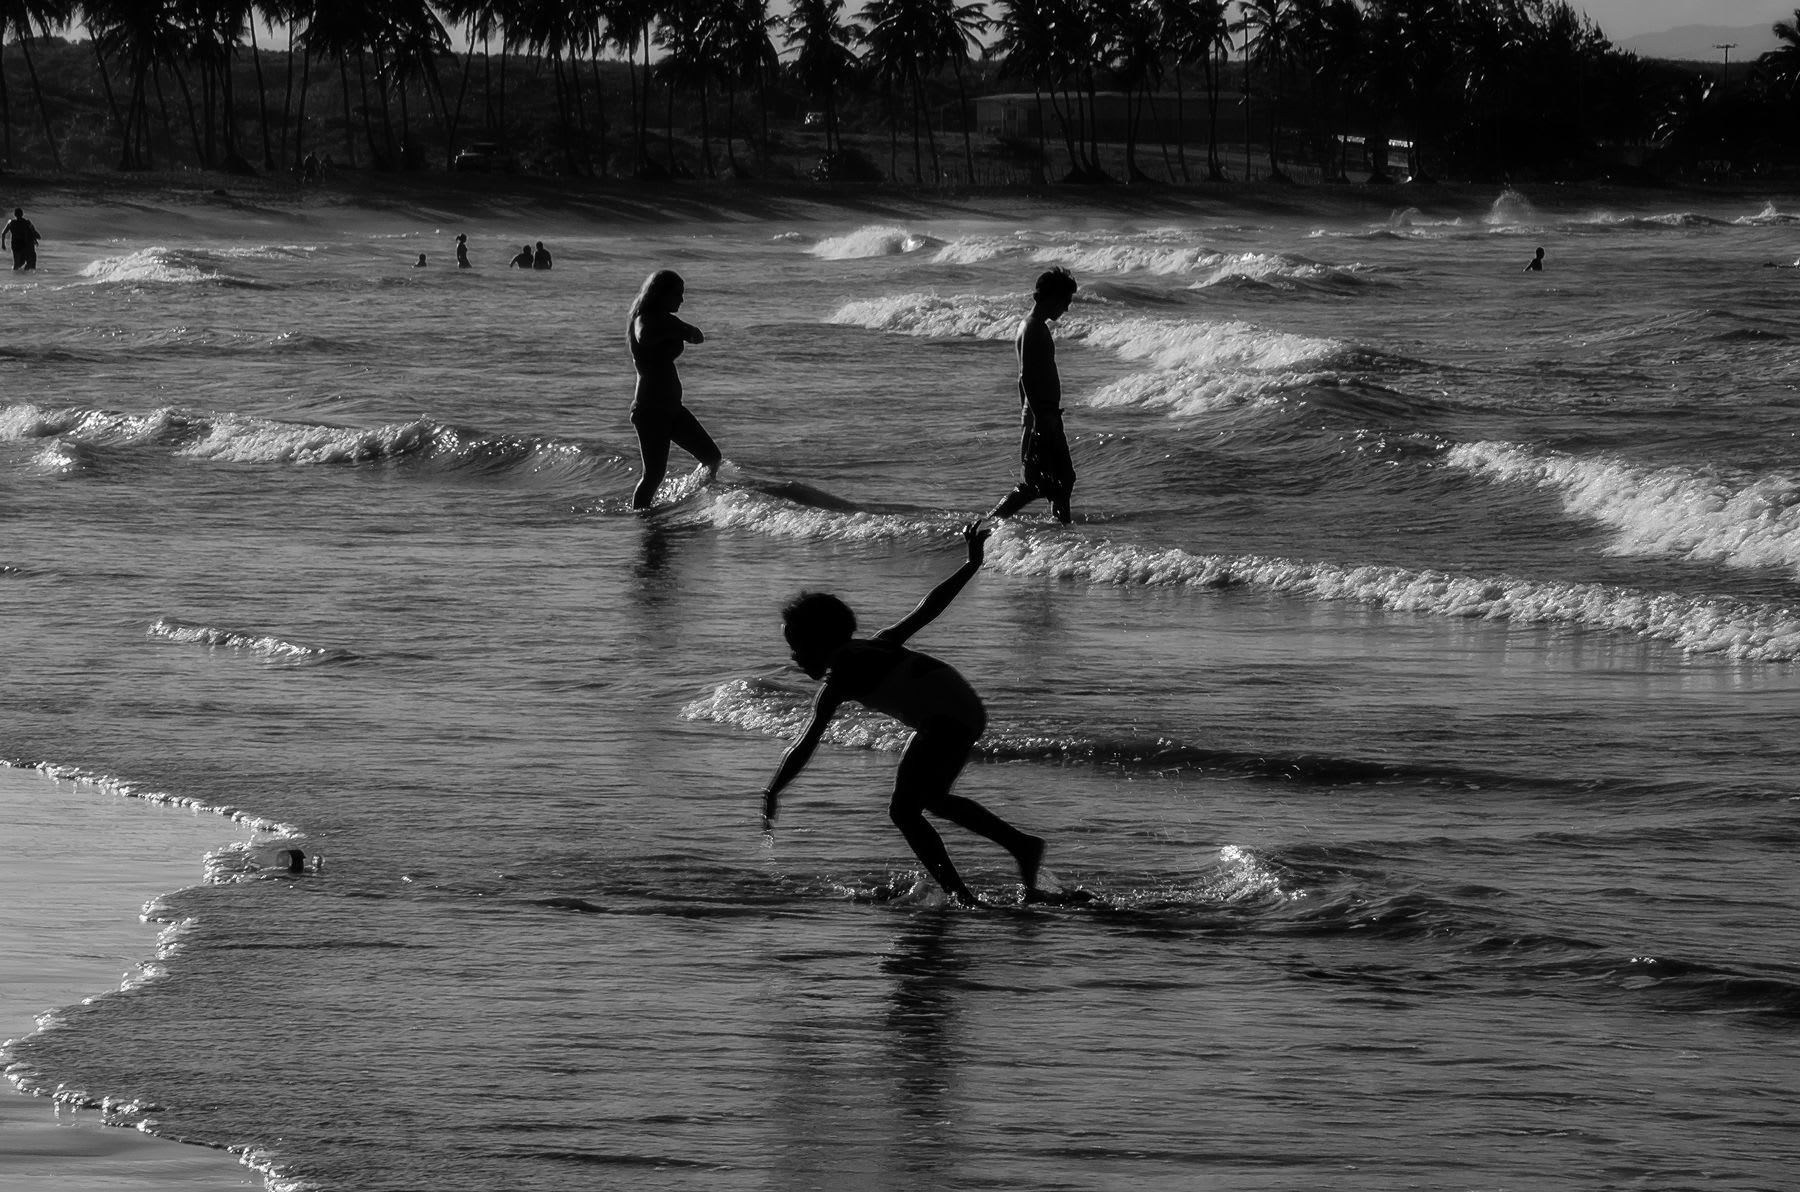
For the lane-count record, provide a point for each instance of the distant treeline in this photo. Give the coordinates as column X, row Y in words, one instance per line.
column 1478, row 89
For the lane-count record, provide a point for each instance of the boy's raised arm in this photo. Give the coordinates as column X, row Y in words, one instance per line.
column 939, row 598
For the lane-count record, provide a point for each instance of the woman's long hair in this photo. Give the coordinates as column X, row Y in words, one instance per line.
column 659, row 288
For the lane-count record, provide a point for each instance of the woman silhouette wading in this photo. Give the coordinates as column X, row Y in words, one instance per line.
column 656, row 337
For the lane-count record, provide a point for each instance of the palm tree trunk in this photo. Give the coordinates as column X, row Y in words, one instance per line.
column 962, row 116
column 287, row 101
column 262, row 100
column 1181, row 124
column 453, row 121
column 112, row 105
column 300, row 115
column 5, row 109
column 562, row 111
column 349, row 127
column 600, row 113
column 193, row 124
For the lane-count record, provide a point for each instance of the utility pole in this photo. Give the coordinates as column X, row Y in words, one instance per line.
column 1725, row 77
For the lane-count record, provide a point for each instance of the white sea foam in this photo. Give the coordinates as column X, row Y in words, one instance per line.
column 233, row 438
column 156, row 265
column 1676, row 511
column 1134, row 256
column 973, row 250
column 877, row 240
column 1736, row 629
column 265, row 644
column 757, row 706
column 130, row 790
column 1229, row 357
column 1187, row 394
column 933, row 316
column 1511, row 209
column 1769, row 215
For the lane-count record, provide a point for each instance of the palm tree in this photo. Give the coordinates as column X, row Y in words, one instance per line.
column 408, row 42
column 555, row 30
column 628, row 26
column 17, row 17
column 824, row 63
column 1268, row 24
column 146, row 35
column 895, row 43
column 1784, row 60
column 1134, row 51
column 745, row 54
column 1025, row 49
column 956, row 32
column 480, row 21
column 686, row 36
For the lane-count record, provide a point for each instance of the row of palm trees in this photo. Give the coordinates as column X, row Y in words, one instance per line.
column 1477, row 86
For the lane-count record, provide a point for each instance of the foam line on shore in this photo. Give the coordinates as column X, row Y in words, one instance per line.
column 79, row 865
column 1739, row 629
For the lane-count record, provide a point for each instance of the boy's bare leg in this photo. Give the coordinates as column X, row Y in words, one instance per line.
column 1027, row 850
column 931, row 762
column 928, row 846
column 928, row 768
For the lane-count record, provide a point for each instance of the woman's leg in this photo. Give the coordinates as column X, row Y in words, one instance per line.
column 687, row 433
column 653, row 446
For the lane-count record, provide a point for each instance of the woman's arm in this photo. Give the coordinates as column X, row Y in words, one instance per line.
column 665, row 330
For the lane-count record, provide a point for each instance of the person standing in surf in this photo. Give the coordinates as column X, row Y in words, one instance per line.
column 24, row 240
column 656, row 337
column 1046, row 470
column 928, row 696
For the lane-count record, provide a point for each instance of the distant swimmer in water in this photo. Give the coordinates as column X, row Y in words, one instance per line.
column 1535, row 264
column 656, row 337
column 420, row 263
column 541, row 258
column 928, row 696
column 462, row 251
column 523, row 260
column 1043, row 447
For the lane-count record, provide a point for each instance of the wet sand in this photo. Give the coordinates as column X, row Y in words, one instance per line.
column 79, row 865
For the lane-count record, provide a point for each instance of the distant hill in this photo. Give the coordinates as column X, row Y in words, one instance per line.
column 1695, row 42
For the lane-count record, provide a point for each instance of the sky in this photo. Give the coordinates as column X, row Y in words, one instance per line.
column 1627, row 18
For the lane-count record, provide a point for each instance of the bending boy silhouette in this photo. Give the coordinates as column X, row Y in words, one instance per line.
column 1043, row 448
column 928, row 696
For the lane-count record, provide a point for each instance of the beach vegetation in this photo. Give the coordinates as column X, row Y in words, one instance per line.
column 978, row 93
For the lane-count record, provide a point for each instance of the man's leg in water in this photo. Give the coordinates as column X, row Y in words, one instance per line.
column 1015, row 500
column 1056, row 478
column 928, row 769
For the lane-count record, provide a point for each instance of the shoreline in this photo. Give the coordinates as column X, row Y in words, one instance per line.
column 80, row 863
column 630, row 201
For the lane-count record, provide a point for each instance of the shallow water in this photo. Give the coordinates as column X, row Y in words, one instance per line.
column 1415, row 691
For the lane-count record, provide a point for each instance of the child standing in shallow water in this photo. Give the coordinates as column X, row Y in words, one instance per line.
column 928, row 696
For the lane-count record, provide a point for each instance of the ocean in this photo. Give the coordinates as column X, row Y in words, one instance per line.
column 1414, row 692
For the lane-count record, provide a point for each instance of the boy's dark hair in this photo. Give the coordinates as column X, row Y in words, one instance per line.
column 1057, row 283
column 818, row 616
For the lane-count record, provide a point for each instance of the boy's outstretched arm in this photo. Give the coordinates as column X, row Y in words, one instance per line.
column 799, row 753
column 939, row 598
